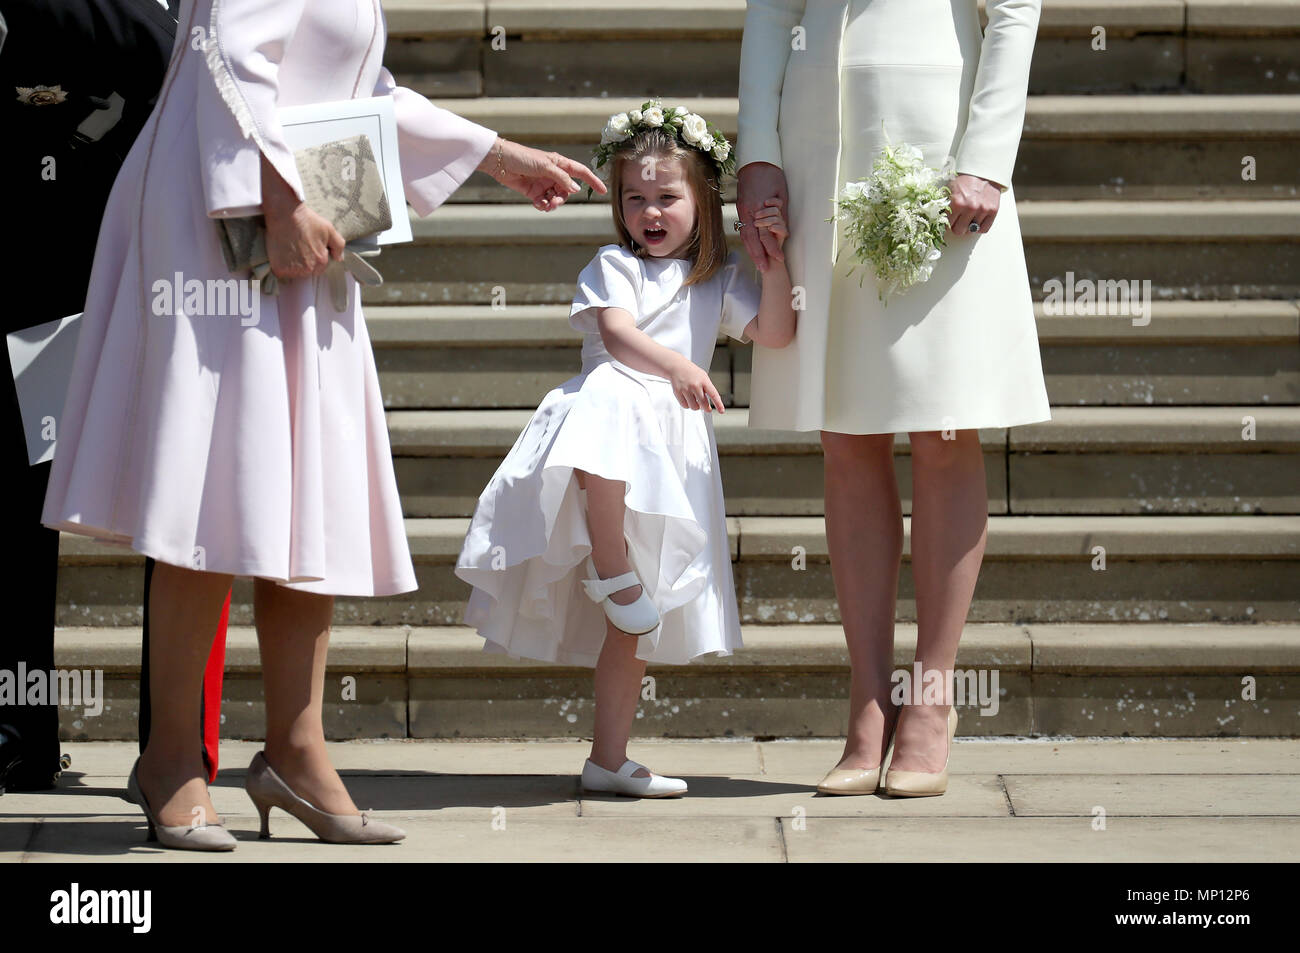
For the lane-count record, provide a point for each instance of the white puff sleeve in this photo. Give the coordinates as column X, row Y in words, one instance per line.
column 610, row 280
column 741, row 296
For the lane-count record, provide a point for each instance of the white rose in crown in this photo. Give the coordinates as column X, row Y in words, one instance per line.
column 721, row 149
column 634, row 116
column 617, row 129
column 694, row 129
column 654, row 116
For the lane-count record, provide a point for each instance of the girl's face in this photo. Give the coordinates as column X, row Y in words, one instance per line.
column 659, row 207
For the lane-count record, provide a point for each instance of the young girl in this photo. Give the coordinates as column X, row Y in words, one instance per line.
column 602, row 540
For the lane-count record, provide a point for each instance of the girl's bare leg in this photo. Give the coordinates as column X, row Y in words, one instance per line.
column 293, row 631
column 618, row 685
column 618, row 670
column 605, row 512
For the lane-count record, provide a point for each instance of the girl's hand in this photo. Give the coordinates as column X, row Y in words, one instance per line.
column 693, row 387
column 973, row 200
column 546, row 178
column 755, row 183
column 299, row 242
column 769, row 216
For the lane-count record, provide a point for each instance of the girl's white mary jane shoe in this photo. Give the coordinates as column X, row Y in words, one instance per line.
column 637, row 617
column 595, row 778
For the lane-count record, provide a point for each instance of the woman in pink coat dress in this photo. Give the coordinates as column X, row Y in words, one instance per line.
column 250, row 444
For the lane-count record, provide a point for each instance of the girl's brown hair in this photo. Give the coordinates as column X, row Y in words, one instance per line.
column 708, row 248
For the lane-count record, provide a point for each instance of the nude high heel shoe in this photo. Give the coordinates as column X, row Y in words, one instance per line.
column 181, row 837
column 268, row 790
column 922, row 783
column 847, row 781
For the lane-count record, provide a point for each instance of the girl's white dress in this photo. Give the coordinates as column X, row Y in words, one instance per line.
column 526, row 550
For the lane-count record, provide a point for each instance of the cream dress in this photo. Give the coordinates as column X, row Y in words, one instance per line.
column 526, row 550
column 961, row 350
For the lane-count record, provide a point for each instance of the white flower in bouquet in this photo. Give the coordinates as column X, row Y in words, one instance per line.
column 894, row 220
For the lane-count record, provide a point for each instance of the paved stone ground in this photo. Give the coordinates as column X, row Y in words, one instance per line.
column 1008, row 800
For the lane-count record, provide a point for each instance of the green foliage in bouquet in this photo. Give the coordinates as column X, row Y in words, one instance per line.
column 896, row 221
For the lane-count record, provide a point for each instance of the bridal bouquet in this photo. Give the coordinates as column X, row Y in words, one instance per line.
column 895, row 220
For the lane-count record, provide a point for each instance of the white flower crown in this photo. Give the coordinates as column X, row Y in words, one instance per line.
column 688, row 128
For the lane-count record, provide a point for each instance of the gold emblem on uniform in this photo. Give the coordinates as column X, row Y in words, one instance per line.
column 41, row 95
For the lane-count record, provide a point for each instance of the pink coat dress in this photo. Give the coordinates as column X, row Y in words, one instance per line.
column 202, row 440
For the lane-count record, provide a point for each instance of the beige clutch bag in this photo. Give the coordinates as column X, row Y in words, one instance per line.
column 341, row 182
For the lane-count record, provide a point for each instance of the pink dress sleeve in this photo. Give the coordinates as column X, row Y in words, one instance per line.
column 438, row 149
column 235, row 112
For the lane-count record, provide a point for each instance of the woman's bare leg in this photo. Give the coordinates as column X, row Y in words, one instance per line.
column 618, row 686
column 184, row 609
column 864, row 533
column 949, row 532
column 293, row 631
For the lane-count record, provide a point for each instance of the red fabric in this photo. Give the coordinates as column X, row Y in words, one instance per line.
column 212, row 677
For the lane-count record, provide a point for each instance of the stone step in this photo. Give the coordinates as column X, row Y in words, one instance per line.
column 1036, row 569
column 1072, row 147
column 1191, row 352
column 1103, row 460
column 511, row 254
column 788, row 681
column 614, row 48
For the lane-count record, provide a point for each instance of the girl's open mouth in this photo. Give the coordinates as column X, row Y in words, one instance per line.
column 654, row 234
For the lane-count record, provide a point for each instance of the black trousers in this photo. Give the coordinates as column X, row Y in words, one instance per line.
column 30, row 560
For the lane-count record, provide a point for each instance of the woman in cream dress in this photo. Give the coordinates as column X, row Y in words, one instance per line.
column 823, row 83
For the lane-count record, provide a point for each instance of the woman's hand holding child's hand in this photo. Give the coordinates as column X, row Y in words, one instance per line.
column 693, row 387
column 771, row 218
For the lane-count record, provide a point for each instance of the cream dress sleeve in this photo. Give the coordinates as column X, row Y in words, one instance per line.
column 764, row 52
column 997, row 103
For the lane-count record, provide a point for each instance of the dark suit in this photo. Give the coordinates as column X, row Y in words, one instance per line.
column 67, row 68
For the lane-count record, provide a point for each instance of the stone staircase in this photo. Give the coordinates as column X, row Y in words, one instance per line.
column 1173, row 452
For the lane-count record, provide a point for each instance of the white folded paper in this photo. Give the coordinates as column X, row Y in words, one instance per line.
column 372, row 117
column 41, row 360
